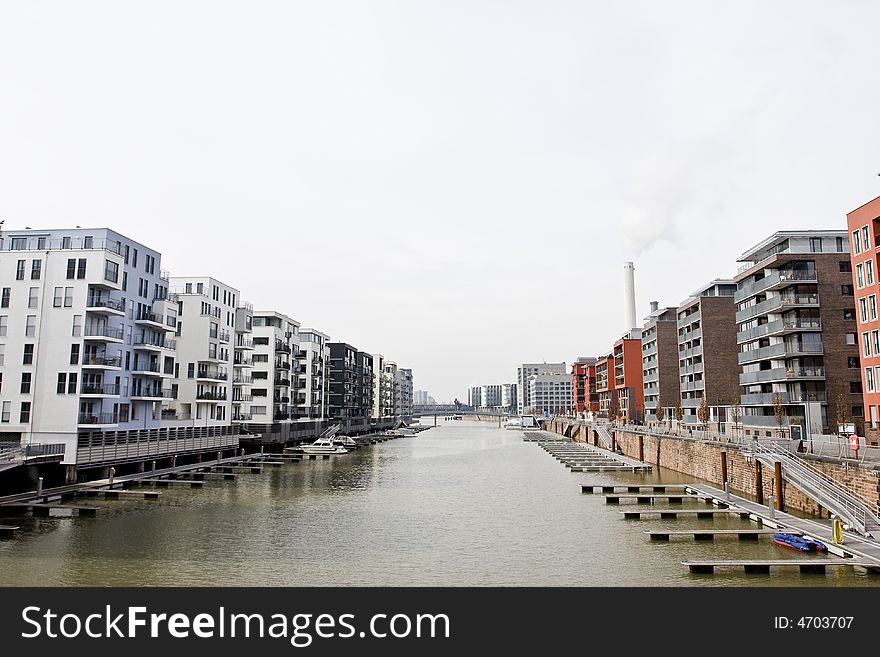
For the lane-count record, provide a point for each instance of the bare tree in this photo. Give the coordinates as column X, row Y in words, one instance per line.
column 679, row 413
column 735, row 404
column 613, row 406
column 779, row 411
column 659, row 411
column 703, row 413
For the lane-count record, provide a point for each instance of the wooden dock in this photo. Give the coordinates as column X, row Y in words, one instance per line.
column 630, row 488
column 675, row 513
column 710, row 534
column 8, row 530
column 812, row 566
column 117, row 492
column 649, row 498
column 192, row 483
column 44, row 509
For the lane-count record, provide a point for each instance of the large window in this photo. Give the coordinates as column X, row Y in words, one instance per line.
column 36, row 269
column 857, row 243
column 111, row 271
column 4, row 297
column 25, row 414
column 872, row 307
column 19, row 270
column 32, row 297
column 860, row 276
column 863, row 309
column 866, row 343
column 869, row 272
column 869, row 379
column 28, row 355
column 866, row 238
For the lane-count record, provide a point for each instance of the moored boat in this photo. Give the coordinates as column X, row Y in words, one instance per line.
column 801, row 543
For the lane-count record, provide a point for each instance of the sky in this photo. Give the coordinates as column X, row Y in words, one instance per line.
column 455, row 185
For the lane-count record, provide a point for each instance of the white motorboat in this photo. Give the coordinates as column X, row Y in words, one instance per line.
column 346, row 442
column 323, row 446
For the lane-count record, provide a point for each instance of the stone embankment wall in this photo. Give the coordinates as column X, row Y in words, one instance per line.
column 702, row 460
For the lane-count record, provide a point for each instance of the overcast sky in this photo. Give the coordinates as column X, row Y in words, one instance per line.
column 453, row 184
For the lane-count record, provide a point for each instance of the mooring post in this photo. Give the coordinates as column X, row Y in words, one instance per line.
column 154, row 466
column 39, row 486
column 723, row 467
column 727, row 490
column 613, row 441
column 778, row 472
column 112, row 474
column 641, row 448
column 759, row 482
column 219, row 455
column 770, row 506
column 435, row 419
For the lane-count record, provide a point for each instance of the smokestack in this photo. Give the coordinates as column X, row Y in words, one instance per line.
column 654, row 306
column 629, row 296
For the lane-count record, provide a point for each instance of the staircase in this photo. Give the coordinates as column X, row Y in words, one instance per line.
column 603, row 434
column 859, row 515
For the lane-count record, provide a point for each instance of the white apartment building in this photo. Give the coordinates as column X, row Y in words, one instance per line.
column 403, row 401
column 203, row 385
column 276, row 343
column 549, row 393
column 85, row 356
column 313, row 362
column 508, row 395
column 527, row 370
column 242, row 363
column 388, row 385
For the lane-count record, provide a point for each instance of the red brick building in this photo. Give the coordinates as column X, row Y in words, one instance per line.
column 583, row 385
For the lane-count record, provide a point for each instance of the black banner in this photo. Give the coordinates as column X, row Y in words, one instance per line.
column 429, row 621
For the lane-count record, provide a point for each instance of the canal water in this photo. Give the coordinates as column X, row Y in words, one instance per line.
column 466, row 503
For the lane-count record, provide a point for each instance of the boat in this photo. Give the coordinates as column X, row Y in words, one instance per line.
column 346, row 442
column 323, row 446
column 801, row 543
column 513, row 423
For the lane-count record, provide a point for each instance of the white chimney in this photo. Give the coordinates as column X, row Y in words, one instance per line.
column 629, row 296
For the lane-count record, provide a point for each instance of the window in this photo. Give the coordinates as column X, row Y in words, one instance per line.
column 2, row 356
column 36, row 269
column 19, row 270
column 19, row 244
column 7, row 411
column 77, row 326
column 875, row 339
column 852, row 362
column 866, row 239
column 855, row 387
column 65, row 242
column 71, row 383
column 816, row 244
column 4, row 298
column 71, row 268
column 860, row 276
column 869, row 379
column 81, row 268
column 845, row 265
column 74, row 354
column 61, row 386
column 869, row 272
column 840, row 248
column 32, row 297
column 25, row 413
column 846, row 290
column 872, row 306
column 125, row 281
column 56, row 299
column 68, row 297
column 88, row 242
column 212, row 330
column 4, row 319
column 866, row 341
column 857, row 243
column 863, row 310
column 200, row 288
column 111, row 271
column 25, row 383
column 134, row 258
column 190, row 370
column 30, row 327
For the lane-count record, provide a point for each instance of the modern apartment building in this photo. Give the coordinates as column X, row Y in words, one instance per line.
column 527, row 370
column 242, row 363
column 404, row 400
column 628, row 382
column 508, row 396
column 312, row 361
column 364, row 389
column 85, row 353
column 475, row 396
column 583, row 385
column 798, row 336
column 344, row 380
column 388, row 388
column 495, row 397
column 203, row 383
column 863, row 225
column 707, row 362
column 605, row 392
column 275, row 345
column 660, row 361
column 549, row 394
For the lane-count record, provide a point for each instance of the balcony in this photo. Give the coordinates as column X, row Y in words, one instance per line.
column 154, row 344
column 282, row 381
column 763, row 399
column 690, row 335
column 805, row 373
column 775, row 374
column 277, row 417
column 751, row 289
column 282, row 364
column 761, row 331
column 224, row 336
column 150, row 319
column 689, row 319
column 98, row 419
column 211, row 374
column 281, row 399
column 147, row 369
column 244, row 343
column 238, row 399
column 692, row 385
column 105, row 306
column 211, row 396
column 150, row 393
column 241, row 417
column 691, row 352
column 281, row 348
column 102, row 362
column 99, row 389
column 691, row 369
column 772, row 351
column 239, row 380
column 97, row 333
column 243, row 362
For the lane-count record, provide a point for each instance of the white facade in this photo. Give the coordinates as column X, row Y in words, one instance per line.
column 242, row 362
column 276, row 341
column 206, row 311
column 389, row 389
column 83, row 337
column 527, row 370
column 404, row 397
column 313, row 363
column 549, row 393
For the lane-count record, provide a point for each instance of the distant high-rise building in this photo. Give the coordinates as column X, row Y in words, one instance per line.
column 527, row 370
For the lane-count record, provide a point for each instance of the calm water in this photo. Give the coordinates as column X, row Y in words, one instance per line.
column 466, row 503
